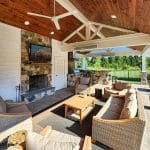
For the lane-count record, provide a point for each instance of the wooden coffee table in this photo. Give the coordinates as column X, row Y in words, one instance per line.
column 79, row 103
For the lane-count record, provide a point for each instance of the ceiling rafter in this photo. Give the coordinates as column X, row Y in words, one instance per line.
column 90, row 26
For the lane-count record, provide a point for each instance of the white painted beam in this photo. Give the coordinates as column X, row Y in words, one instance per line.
column 73, row 33
column 81, row 36
column 88, row 32
column 112, row 27
column 118, row 41
column 71, row 8
column 96, row 32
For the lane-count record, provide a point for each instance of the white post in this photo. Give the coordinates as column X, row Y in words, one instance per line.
column 84, row 63
column 143, row 63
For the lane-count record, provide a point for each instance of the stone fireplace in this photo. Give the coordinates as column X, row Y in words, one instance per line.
column 34, row 75
column 38, row 82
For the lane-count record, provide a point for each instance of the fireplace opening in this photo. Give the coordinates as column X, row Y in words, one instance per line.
column 38, row 82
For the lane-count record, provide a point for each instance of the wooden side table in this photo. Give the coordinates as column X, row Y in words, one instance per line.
column 98, row 93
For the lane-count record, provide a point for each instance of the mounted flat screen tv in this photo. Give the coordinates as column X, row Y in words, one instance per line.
column 39, row 53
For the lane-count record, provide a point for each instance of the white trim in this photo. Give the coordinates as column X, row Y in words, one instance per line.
column 117, row 41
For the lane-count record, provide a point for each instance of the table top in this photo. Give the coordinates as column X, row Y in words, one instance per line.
column 79, row 102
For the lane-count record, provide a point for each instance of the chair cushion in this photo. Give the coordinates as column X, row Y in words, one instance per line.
column 120, row 85
column 18, row 109
column 36, row 141
column 2, row 105
column 82, row 87
column 84, row 80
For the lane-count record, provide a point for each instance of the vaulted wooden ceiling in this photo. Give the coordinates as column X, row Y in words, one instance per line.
column 131, row 14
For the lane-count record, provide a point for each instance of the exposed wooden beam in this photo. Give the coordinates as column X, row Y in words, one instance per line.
column 73, row 33
column 118, row 41
column 112, row 27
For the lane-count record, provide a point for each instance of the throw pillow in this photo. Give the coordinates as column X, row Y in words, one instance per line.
column 130, row 111
column 130, row 106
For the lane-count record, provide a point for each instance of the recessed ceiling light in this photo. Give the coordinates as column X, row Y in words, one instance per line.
column 26, row 23
column 52, row 32
column 113, row 16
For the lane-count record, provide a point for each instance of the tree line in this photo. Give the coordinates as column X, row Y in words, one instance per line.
column 113, row 63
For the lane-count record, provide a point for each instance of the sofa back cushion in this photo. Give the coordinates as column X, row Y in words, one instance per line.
column 121, row 85
column 2, row 105
column 130, row 106
column 84, row 80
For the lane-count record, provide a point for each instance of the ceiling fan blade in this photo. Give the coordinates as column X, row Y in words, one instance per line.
column 66, row 14
column 38, row 15
column 56, row 23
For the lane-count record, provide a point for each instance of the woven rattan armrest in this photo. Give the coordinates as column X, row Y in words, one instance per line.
column 119, row 121
column 117, row 96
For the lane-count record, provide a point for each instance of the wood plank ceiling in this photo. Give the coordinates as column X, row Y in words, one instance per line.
column 14, row 12
column 131, row 14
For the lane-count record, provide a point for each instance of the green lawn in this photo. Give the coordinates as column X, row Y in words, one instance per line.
column 133, row 76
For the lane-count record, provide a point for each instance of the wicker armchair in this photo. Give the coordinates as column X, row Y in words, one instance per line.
column 13, row 116
column 83, row 85
column 119, row 133
column 118, row 88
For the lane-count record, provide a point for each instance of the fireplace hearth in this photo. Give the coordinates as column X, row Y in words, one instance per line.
column 38, row 82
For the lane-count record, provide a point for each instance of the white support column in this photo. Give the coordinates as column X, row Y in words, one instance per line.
column 143, row 63
column 84, row 63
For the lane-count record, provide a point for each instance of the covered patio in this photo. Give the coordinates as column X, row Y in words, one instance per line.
column 49, row 101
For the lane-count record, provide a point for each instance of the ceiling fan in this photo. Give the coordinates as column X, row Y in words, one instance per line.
column 54, row 18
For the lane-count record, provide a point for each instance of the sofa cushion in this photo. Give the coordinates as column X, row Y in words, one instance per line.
column 36, row 141
column 2, row 105
column 84, row 80
column 82, row 87
column 18, row 109
column 130, row 106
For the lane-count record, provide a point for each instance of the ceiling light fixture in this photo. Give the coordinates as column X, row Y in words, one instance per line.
column 26, row 23
column 52, row 32
column 113, row 16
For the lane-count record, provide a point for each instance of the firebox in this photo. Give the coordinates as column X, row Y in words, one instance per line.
column 38, row 82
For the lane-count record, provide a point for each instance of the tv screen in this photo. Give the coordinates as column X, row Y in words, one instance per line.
column 39, row 53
